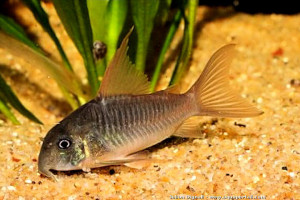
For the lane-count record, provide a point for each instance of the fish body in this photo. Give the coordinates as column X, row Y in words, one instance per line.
column 127, row 124
column 123, row 119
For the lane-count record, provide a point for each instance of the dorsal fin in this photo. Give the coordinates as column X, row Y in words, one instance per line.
column 174, row 89
column 121, row 76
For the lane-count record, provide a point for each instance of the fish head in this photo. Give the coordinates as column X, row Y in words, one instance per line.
column 62, row 150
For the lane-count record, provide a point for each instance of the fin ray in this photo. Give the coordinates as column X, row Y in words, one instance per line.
column 136, row 159
column 212, row 92
column 174, row 89
column 121, row 76
column 189, row 129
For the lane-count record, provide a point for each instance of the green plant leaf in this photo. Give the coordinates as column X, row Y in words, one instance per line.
column 75, row 18
column 42, row 17
column 186, row 50
column 97, row 13
column 7, row 112
column 9, row 26
column 62, row 76
column 163, row 11
column 143, row 13
column 18, row 49
column 116, row 15
column 172, row 30
column 107, row 20
column 8, row 95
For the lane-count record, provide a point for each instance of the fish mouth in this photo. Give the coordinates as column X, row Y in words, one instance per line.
column 46, row 171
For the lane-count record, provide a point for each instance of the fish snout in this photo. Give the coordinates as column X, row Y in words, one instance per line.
column 44, row 167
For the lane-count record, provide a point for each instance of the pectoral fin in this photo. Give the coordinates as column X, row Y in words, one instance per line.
column 136, row 160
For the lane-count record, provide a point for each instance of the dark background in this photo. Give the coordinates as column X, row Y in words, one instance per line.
column 258, row 6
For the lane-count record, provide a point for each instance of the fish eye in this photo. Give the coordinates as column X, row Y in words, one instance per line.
column 64, row 143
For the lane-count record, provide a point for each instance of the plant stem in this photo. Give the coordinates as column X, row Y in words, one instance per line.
column 186, row 50
column 172, row 30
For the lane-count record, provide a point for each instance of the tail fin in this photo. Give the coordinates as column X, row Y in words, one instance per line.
column 212, row 92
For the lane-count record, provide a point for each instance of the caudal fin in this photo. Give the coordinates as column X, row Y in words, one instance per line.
column 212, row 93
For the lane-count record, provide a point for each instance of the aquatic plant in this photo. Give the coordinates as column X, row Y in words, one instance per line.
column 107, row 21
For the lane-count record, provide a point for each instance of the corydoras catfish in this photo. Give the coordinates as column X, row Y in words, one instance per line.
column 124, row 119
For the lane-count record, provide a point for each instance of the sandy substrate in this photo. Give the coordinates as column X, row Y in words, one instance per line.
column 258, row 156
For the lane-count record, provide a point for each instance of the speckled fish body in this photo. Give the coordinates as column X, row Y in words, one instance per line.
column 124, row 118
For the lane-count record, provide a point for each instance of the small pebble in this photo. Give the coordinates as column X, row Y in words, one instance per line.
column 73, row 197
column 239, row 124
column 255, row 179
column 259, row 100
column 28, row 181
column 15, row 134
column 189, row 188
column 77, row 185
column 227, row 187
column 9, row 56
column 193, row 178
column 285, row 60
column 295, row 82
column 278, row 52
column 9, row 142
column 187, row 170
column 112, row 171
column 11, row 188
column 292, row 174
column 17, row 66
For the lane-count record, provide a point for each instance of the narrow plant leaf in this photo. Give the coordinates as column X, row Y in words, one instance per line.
column 97, row 13
column 8, row 95
column 172, row 30
column 116, row 14
column 4, row 109
column 9, row 26
column 16, row 31
column 42, row 17
column 75, row 18
column 186, row 50
column 62, row 76
column 143, row 13
column 163, row 11
column 107, row 20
